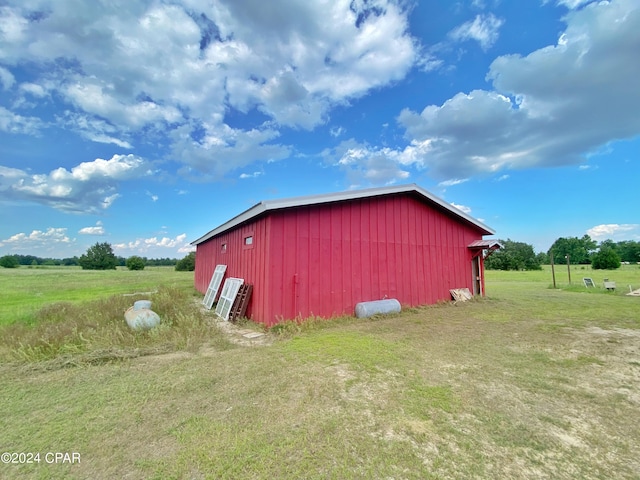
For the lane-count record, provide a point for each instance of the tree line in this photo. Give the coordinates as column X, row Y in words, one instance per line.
column 32, row 260
column 573, row 250
column 512, row 256
column 99, row 257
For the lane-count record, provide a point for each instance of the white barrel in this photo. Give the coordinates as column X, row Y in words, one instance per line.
column 375, row 307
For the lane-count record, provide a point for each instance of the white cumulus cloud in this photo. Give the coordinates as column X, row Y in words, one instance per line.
column 86, row 188
column 6, row 78
column 154, row 244
column 177, row 70
column 615, row 231
column 462, row 208
column 244, row 176
column 573, row 4
column 551, row 107
column 483, row 29
column 452, row 182
column 38, row 240
column 365, row 165
column 11, row 122
column 98, row 230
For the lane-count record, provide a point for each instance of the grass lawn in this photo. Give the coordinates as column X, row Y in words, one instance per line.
column 24, row 290
column 529, row 382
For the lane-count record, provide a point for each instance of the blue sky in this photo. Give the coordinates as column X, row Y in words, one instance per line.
column 147, row 123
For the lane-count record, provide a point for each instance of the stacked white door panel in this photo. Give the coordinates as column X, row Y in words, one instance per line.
column 227, row 296
column 214, row 286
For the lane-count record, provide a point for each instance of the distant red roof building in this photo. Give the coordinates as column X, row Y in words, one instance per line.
column 320, row 255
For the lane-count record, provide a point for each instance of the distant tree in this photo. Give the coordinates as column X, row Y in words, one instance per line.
column 161, row 262
column 578, row 249
column 70, row 261
column 135, row 263
column 513, row 256
column 9, row 261
column 543, row 258
column 187, row 264
column 629, row 251
column 98, row 257
column 28, row 259
column 605, row 259
column 608, row 244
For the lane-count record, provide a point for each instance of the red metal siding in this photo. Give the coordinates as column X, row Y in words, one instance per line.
column 330, row 257
column 323, row 259
column 247, row 262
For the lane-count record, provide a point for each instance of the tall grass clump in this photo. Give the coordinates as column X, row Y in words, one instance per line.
column 96, row 331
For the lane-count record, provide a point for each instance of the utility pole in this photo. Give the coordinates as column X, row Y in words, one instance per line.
column 553, row 270
column 568, row 257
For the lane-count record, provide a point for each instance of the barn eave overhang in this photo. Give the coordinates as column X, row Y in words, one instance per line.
column 249, row 214
column 478, row 247
column 278, row 204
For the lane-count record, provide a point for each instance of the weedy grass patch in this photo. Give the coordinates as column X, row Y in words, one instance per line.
column 95, row 331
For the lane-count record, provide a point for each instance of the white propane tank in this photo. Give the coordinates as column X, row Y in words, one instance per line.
column 141, row 318
column 142, row 304
column 367, row 309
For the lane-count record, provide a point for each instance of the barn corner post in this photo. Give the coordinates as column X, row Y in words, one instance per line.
column 481, row 276
column 481, row 264
column 196, row 270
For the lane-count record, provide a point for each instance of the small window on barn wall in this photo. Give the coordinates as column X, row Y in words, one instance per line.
column 223, row 248
column 247, row 241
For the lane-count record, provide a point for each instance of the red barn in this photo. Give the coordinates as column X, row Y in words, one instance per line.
column 322, row 254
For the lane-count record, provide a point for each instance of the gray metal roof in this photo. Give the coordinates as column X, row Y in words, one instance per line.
column 486, row 244
column 269, row 205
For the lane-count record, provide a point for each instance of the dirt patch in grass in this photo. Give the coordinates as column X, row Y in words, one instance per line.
column 244, row 334
column 618, row 367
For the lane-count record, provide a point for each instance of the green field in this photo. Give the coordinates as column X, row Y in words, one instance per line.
column 24, row 290
column 625, row 276
column 529, row 382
